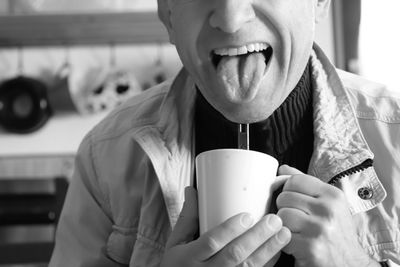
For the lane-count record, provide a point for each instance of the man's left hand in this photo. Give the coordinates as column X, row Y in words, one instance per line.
column 319, row 218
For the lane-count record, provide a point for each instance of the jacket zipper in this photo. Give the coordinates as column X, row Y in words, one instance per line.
column 365, row 165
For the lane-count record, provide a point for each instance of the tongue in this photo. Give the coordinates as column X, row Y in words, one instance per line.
column 241, row 73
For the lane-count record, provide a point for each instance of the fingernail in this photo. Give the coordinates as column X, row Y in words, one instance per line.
column 283, row 236
column 282, row 167
column 246, row 220
column 274, row 222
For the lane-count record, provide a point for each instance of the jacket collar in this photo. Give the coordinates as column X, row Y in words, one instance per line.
column 168, row 142
column 339, row 144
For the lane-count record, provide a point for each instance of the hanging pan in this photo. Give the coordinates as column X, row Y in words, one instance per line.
column 24, row 105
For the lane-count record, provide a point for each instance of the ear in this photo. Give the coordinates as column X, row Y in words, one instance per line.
column 164, row 13
column 321, row 9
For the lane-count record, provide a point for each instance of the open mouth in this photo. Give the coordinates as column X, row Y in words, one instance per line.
column 243, row 51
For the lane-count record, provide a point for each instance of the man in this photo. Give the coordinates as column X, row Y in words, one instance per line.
column 245, row 61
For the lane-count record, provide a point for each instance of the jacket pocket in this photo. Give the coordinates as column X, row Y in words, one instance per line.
column 120, row 244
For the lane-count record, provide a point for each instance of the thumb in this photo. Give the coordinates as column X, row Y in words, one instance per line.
column 287, row 170
column 187, row 226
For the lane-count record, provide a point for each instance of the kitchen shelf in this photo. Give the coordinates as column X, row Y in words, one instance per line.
column 48, row 152
column 62, row 134
column 81, row 29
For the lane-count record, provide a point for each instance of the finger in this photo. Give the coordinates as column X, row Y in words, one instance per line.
column 274, row 260
column 289, row 199
column 279, row 181
column 215, row 239
column 242, row 247
column 187, row 225
column 297, row 246
column 287, row 170
column 305, row 184
column 296, row 220
column 268, row 253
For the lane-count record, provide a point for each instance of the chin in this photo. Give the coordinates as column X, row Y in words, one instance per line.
column 245, row 115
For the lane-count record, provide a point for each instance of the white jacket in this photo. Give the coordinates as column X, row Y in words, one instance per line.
column 132, row 168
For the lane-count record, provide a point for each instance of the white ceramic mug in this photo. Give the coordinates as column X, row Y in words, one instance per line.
column 232, row 181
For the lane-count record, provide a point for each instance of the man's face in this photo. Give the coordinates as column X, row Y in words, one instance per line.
column 244, row 55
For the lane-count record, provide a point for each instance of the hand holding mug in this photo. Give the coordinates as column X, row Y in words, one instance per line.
column 238, row 241
column 319, row 218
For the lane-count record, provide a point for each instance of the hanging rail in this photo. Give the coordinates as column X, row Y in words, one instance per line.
column 81, row 29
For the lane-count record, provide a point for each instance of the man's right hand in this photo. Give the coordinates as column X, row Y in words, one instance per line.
column 236, row 242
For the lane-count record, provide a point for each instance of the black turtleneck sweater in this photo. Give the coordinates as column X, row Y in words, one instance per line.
column 286, row 135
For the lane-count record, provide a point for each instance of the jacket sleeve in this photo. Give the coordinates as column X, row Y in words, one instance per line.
column 85, row 224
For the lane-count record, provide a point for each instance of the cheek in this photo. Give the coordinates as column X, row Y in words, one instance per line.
column 188, row 40
column 302, row 25
column 185, row 25
column 184, row 40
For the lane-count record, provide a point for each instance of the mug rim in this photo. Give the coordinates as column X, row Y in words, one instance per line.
column 236, row 150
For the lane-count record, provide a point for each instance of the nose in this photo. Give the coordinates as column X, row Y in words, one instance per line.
column 230, row 15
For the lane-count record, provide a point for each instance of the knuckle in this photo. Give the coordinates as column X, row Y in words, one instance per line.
column 235, row 254
column 322, row 206
column 270, row 248
column 233, row 226
column 297, row 179
column 323, row 209
column 273, row 246
column 316, row 229
column 211, row 244
column 280, row 200
column 294, row 182
column 289, row 183
column 285, row 214
column 247, row 263
column 334, row 192
column 263, row 231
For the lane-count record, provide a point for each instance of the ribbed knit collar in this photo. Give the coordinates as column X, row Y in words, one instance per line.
column 290, row 123
column 276, row 135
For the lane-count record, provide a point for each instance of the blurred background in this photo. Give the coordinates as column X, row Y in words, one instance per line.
column 64, row 64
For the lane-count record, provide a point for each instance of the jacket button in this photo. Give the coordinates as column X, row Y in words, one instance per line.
column 365, row 193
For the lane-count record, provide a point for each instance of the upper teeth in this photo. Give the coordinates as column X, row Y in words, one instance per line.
column 242, row 50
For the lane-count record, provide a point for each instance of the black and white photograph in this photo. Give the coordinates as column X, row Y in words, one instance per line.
column 199, row 133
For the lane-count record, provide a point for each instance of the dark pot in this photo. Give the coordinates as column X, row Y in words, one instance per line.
column 24, row 105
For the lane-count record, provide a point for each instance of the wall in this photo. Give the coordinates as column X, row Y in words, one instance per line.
column 325, row 36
